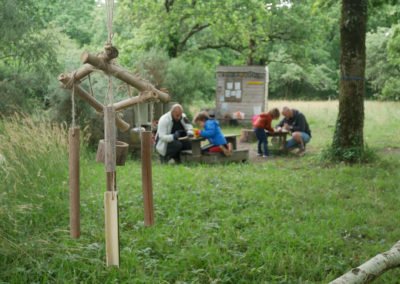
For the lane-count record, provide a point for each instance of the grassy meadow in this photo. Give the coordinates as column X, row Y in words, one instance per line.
column 279, row 220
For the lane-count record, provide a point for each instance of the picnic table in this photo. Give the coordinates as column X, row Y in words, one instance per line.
column 196, row 155
column 277, row 138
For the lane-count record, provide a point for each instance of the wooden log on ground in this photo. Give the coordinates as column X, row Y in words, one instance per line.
column 74, row 190
column 65, row 83
column 124, row 75
column 147, row 184
column 373, row 268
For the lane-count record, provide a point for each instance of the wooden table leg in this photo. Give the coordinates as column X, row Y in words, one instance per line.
column 196, row 147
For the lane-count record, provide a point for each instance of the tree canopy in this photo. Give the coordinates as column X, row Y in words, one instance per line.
column 298, row 40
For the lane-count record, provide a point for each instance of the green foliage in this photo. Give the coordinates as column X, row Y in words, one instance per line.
column 350, row 155
column 186, row 80
column 382, row 73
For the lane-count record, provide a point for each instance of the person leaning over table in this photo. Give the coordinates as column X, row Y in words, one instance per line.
column 262, row 123
column 296, row 123
column 171, row 126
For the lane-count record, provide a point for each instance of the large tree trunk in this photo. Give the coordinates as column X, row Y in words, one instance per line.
column 350, row 122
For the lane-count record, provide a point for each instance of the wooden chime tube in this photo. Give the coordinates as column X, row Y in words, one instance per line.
column 147, row 179
column 111, row 195
column 74, row 190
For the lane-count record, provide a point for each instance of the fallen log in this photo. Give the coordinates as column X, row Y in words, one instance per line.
column 373, row 268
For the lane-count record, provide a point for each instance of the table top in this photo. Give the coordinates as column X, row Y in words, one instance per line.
column 276, row 133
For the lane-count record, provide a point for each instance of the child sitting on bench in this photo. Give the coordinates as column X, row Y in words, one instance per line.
column 213, row 133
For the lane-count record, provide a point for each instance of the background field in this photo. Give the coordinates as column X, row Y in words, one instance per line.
column 281, row 220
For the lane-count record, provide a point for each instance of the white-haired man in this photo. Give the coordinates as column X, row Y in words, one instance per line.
column 171, row 126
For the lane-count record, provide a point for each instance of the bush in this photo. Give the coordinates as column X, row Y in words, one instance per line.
column 348, row 155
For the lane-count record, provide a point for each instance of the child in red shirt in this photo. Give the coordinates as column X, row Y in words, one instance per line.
column 262, row 123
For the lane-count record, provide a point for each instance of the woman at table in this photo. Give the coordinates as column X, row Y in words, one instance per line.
column 260, row 125
column 213, row 133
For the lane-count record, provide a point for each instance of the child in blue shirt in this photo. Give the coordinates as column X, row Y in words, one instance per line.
column 213, row 133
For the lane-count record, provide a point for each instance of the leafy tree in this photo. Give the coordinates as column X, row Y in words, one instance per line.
column 382, row 71
column 27, row 56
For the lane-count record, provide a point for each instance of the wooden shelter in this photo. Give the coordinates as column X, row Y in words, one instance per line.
column 242, row 91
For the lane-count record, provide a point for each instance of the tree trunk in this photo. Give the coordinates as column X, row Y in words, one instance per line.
column 350, row 121
column 252, row 46
column 373, row 268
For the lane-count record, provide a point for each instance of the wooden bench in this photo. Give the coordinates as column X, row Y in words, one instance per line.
column 195, row 155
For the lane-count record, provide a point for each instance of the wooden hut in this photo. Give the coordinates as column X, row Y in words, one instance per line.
column 241, row 93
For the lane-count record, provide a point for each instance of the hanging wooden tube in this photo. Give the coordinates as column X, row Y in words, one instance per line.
column 74, row 190
column 111, row 195
column 147, row 184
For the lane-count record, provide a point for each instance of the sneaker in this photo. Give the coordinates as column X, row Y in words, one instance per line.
column 225, row 151
column 301, row 152
column 259, row 154
column 268, row 156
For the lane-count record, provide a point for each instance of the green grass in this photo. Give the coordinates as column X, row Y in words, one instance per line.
column 286, row 220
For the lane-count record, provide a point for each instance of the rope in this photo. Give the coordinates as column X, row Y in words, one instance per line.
column 73, row 107
column 152, row 126
column 110, row 15
column 90, row 85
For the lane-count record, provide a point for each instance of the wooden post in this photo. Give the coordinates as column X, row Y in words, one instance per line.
column 110, row 196
column 147, row 179
column 74, row 191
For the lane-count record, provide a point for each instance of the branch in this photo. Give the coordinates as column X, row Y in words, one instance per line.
column 222, row 45
column 10, row 55
column 373, row 268
column 168, row 4
column 195, row 29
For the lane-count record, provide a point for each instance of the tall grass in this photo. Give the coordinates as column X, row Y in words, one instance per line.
column 33, row 173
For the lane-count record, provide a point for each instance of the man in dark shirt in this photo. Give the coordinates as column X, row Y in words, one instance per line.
column 295, row 122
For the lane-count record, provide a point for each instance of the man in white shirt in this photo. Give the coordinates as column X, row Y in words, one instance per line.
column 171, row 126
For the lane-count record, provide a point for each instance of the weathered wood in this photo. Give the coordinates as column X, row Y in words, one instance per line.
column 373, row 268
column 231, row 138
column 65, row 83
column 121, row 152
column 247, row 135
column 111, row 227
column 83, row 72
column 109, row 139
column 124, row 75
column 147, row 178
column 111, row 181
column 214, row 158
column 74, row 190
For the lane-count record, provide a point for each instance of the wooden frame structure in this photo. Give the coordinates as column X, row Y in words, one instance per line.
column 147, row 93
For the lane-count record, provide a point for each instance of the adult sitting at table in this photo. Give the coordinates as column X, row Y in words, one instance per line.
column 295, row 122
column 172, row 126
